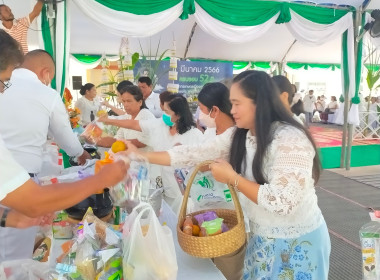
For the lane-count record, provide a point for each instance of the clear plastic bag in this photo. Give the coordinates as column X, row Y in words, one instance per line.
column 149, row 251
column 93, row 132
column 135, row 187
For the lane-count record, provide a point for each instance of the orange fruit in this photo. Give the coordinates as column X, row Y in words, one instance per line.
column 101, row 113
column 196, row 230
column 118, row 146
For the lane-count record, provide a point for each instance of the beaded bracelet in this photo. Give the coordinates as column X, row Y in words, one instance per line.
column 4, row 217
column 236, row 182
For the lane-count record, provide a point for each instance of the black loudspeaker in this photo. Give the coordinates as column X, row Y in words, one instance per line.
column 77, row 82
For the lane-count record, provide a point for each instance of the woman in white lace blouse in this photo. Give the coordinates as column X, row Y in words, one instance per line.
column 280, row 166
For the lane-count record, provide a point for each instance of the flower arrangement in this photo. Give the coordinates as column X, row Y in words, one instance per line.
column 74, row 113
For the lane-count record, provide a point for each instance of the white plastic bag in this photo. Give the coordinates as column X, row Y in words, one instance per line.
column 149, row 251
column 26, row 269
column 52, row 161
column 207, row 193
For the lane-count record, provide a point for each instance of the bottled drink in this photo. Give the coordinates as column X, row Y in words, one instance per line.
column 92, row 116
column 370, row 241
column 188, row 226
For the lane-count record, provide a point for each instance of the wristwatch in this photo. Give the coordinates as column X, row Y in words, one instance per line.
column 4, row 217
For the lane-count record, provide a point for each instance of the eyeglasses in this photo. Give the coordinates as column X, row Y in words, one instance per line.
column 4, row 85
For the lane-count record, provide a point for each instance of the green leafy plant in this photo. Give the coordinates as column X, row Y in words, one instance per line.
column 114, row 79
column 150, row 64
column 373, row 74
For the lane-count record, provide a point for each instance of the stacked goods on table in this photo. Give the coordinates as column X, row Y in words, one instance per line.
column 95, row 252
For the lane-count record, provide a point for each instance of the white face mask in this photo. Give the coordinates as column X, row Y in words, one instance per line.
column 207, row 120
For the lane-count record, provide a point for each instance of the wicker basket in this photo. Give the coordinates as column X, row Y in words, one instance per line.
column 217, row 245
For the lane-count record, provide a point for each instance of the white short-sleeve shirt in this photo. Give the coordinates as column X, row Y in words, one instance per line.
column 12, row 175
column 130, row 134
column 153, row 104
column 29, row 112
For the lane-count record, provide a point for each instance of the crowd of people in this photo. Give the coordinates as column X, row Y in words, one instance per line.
column 251, row 131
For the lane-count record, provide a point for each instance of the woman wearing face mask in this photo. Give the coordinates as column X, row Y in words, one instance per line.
column 176, row 127
column 214, row 109
column 88, row 104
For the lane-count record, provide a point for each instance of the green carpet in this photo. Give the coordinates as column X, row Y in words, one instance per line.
column 362, row 155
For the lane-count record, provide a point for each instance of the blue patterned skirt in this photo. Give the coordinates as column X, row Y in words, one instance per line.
column 302, row 258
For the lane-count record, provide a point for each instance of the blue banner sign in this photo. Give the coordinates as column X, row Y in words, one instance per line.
column 192, row 75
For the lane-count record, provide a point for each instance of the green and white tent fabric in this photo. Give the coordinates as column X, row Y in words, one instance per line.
column 246, row 30
column 231, row 21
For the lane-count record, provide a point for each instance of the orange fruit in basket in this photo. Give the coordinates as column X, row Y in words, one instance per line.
column 118, row 146
column 196, row 230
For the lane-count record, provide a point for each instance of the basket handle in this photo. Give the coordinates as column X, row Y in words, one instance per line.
column 182, row 212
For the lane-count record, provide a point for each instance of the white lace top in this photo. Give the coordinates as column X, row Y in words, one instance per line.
column 287, row 206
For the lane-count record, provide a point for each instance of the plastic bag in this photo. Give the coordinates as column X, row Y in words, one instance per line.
column 95, row 253
column 149, row 251
column 93, row 132
column 52, row 161
column 135, row 187
column 207, row 193
column 24, row 269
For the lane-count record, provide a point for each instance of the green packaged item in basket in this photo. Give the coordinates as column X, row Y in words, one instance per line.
column 213, row 227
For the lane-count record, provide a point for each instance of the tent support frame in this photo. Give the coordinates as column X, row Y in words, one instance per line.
column 358, row 19
column 189, row 40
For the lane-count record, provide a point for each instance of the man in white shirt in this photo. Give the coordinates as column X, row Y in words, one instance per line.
column 36, row 110
column 152, row 100
column 18, row 191
column 29, row 111
column 309, row 107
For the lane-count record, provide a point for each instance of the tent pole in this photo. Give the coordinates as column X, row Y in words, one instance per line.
column 284, row 57
column 189, row 40
column 357, row 23
column 336, row 7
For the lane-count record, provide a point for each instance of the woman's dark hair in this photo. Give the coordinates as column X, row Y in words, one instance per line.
column 136, row 93
column 178, row 104
column 297, row 108
column 85, row 88
column 334, row 98
column 284, row 85
column 216, row 94
column 10, row 51
column 259, row 87
column 163, row 96
column 123, row 84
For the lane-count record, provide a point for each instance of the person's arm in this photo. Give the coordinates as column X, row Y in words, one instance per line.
column 17, row 220
column 130, row 124
column 287, row 178
column 60, row 129
column 224, row 173
column 137, row 143
column 33, row 200
column 189, row 155
column 106, row 142
column 116, row 110
column 36, row 10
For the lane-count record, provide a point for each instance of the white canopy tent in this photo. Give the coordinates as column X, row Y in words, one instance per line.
column 88, row 37
column 92, row 29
